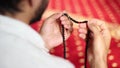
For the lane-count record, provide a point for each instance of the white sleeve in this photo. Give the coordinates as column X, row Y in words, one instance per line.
column 16, row 52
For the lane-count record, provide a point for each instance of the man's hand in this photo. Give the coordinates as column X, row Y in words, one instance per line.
column 98, row 44
column 51, row 29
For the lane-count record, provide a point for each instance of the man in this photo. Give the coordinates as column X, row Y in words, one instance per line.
column 22, row 47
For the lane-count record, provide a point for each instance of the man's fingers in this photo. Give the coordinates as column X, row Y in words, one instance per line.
column 54, row 17
column 83, row 25
column 67, row 23
column 101, row 24
column 83, row 36
column 82, row 30
column 95, row 29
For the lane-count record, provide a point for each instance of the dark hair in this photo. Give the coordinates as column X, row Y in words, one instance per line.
column 11, row 6
column 39, row 12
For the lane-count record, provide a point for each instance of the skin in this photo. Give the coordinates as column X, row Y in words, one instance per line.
column 99, row 42
column 51, row 29
column 51, row 32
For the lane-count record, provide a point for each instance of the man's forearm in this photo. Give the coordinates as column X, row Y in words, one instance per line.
column 98, row 62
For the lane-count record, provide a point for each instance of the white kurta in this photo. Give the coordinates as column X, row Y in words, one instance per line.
column 22, row 47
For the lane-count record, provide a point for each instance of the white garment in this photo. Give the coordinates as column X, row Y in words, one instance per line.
column 22, row 47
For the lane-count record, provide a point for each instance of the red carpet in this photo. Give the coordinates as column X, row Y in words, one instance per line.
column 106, row 10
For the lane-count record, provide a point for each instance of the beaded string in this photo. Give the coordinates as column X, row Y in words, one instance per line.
column 64, row 43
column 87, row 38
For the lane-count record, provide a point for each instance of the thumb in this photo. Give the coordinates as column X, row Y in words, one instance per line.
column 94, row 28
column 55, row 16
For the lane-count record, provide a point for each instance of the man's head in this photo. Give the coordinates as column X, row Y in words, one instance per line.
column 31, row 9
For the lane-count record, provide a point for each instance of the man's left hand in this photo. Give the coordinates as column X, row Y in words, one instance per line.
column 51, row 29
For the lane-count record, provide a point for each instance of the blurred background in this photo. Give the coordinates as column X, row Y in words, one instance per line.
column 105, row 10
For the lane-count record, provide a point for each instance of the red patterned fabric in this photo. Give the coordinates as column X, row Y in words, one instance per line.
column 106, row 10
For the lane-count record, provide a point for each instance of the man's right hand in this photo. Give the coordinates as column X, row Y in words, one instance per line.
column 99, row 42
